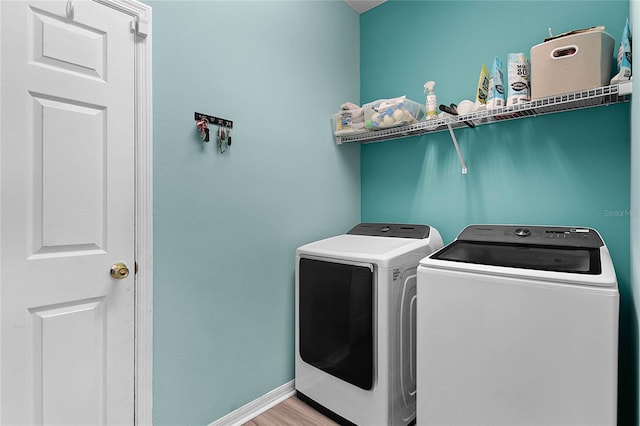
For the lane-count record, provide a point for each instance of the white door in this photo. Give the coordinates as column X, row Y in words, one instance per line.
column 66, row 213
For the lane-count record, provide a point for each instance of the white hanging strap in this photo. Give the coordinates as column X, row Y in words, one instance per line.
column 455, row 143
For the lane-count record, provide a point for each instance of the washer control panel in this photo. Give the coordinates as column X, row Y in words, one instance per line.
column 533, row 235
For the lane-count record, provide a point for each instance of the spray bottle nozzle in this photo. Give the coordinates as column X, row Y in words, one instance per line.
column 428, row 86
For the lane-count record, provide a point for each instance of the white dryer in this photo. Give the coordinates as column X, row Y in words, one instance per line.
column 518, row 325
column 355, row 322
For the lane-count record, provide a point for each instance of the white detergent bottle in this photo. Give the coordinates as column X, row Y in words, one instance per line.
column 432, row 100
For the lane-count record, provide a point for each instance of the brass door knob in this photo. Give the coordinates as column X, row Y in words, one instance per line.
column 119, row 271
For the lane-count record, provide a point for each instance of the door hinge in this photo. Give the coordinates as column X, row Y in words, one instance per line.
column 135, row 268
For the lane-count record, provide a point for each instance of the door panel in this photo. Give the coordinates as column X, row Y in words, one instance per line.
column 79, row 328
column 69, row 179
column 75, row 49
column 66, row 213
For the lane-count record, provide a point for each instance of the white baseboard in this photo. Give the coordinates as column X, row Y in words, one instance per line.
column 257, row 406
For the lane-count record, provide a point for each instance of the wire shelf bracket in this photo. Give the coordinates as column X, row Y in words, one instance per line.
column 455, row 143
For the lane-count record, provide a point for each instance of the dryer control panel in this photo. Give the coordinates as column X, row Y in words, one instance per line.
column 533, row 235
column 397, row 230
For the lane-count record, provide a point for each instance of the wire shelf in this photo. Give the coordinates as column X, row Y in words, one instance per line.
column 599, row 96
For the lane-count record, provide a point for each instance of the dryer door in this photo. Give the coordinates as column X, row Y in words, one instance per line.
column 336, row 319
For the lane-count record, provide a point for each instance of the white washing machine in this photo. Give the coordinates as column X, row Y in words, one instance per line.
column 518, row 325
column 355, row 322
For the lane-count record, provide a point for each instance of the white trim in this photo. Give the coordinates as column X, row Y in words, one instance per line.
column 144, row 208
column 257, row 406
column 144, row 227
column 0, row 172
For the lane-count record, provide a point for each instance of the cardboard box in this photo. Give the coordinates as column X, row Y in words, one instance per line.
column 571, row 63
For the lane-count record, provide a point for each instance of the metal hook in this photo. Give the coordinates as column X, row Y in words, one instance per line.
column 70, row 9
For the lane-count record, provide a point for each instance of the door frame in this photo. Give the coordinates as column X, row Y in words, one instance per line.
column 143, row 392
column 143, row 381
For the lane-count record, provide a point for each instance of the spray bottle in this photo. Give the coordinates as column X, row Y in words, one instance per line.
column 432, row 100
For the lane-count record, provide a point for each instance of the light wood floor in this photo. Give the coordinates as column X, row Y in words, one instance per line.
column 291, row 412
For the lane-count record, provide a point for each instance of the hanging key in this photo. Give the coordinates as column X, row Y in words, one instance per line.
column 228, row 137
column 203, row 126
column 221, row 137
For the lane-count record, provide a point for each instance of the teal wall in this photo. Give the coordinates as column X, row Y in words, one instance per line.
column 226, row 226
column 571, row 168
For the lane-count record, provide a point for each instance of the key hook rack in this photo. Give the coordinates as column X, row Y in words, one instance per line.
column 203, row 121
column 216, row 121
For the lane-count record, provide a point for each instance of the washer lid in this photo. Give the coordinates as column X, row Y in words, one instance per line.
column 545, row 248
column 533, row 235
column 541, row 257
column 554, row 254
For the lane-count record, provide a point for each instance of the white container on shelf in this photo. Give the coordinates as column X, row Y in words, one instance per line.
column 571, row 63
column 387, row 113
